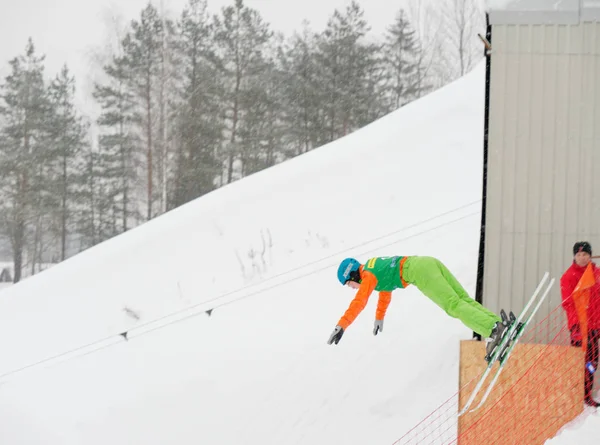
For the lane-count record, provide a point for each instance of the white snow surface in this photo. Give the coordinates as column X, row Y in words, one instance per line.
column 583, row 430
column 536, row 5
column 497, row 4
column 263, row 254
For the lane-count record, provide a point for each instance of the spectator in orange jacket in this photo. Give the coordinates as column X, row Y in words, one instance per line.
column 582, row 256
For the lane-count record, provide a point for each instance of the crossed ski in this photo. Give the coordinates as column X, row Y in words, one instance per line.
column 502, row 352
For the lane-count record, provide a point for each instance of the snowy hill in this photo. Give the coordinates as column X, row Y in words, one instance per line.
column 262, row 253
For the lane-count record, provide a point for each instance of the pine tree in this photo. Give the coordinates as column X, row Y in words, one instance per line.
column 142, row 53
column 303, row 117
column 370, row 103
column 199, row 108
column 113, row 167
column 24, row 108
column 241, row 37
column 87, row 211
column 401, row 52
column 261, row 128
column 345, row 59
column 68, row 138
column 168, row 76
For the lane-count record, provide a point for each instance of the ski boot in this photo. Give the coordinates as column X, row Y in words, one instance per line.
column 514, row 334
column 500, row 328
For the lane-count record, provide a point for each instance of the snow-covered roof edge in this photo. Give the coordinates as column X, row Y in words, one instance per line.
column 539, row 12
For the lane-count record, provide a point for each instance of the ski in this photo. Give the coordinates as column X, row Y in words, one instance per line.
column 504, row 354
column 507, row 336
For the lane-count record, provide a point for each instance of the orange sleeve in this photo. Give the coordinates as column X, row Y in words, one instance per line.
column 567, row 286
column 382, row 305
column 360, row 299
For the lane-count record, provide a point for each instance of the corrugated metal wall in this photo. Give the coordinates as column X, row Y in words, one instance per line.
column 543, row 183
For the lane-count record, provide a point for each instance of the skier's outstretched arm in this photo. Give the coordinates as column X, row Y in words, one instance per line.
column 360, row 299
column 382, row 305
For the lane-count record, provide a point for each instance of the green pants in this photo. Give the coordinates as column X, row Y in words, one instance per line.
column 432, row 278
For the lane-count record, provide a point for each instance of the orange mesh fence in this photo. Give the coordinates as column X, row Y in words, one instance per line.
column 540, row 390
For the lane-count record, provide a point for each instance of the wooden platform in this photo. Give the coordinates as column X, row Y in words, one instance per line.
column 536, row 401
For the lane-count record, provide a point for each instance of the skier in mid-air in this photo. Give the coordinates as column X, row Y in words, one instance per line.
column 431, row 277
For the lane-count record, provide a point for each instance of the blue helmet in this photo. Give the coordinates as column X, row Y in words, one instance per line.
column 347, row 266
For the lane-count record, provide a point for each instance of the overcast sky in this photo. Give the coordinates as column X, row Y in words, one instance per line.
column 67, row 30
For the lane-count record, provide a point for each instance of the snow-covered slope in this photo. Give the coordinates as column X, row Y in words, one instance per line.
column 262, row 253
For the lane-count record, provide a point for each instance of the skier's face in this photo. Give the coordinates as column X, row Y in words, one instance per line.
column 582, row 259
column 353, row 284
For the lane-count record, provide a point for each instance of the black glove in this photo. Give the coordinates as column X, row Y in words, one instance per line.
column 336, row 335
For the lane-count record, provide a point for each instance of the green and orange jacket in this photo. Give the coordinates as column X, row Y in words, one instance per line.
column 383, row 274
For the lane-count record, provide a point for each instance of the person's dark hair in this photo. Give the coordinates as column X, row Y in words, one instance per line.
column 582, row 246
